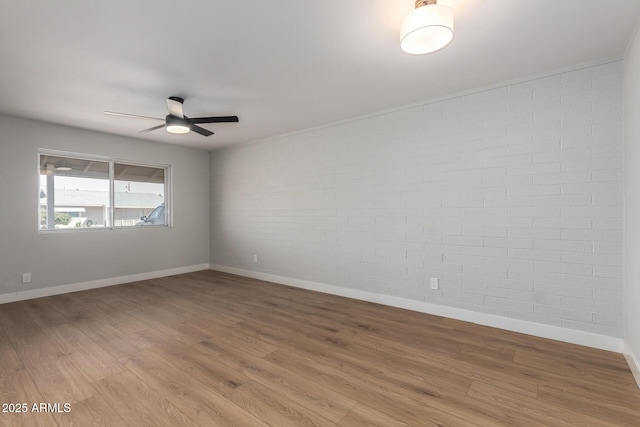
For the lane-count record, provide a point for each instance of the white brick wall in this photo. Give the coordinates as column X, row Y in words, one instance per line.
column 512, row 197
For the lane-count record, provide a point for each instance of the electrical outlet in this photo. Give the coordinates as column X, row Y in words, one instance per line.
column 255, row 257
column 26, row 277
column 433, row 283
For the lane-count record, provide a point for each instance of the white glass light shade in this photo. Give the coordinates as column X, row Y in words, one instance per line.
column 179, row 129
column 426, row 29
column 177, row 125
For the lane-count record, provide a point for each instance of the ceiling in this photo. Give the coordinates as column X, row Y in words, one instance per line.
column 280, row 65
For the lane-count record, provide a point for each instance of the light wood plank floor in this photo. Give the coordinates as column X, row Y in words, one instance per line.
column 214, row 349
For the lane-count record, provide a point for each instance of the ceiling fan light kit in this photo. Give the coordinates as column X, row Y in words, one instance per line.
column 176, row 125
column 426, row 29
column 176, row 122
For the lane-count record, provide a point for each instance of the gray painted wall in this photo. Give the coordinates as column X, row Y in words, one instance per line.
column 632, row 201
column 69, row 258
column 512, row 197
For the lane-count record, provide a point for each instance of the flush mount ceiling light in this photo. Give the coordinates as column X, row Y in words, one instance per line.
column 62, row 167
column 429, row 27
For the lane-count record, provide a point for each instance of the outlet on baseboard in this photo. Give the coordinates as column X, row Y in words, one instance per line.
column 26, row 277
column 433, row 283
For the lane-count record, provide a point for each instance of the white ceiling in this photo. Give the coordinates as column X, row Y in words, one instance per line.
column 280, row 65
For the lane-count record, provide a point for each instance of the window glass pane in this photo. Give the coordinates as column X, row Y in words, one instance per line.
column 139, row 195
column 74, row 193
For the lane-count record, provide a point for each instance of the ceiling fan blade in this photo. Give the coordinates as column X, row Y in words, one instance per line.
column 222, row 119
column 174, row 104
column 153, row 128
column 134, row 116
column 201, row 131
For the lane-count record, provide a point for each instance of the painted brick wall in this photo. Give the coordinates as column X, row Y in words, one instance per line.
column 512, row 197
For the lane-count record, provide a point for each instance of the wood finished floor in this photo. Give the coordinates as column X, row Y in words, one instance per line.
column 214, row 349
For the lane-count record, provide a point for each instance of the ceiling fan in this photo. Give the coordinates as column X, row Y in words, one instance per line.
column 176, row 122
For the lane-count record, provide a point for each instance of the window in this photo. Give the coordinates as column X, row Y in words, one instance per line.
column 139, row 192
column 83, row 192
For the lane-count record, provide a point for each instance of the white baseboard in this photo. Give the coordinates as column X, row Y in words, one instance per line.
column 572, row 336
column 633, row 363
column 82, row 286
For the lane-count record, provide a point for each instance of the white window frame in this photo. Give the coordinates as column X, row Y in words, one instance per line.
column 168, row 185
